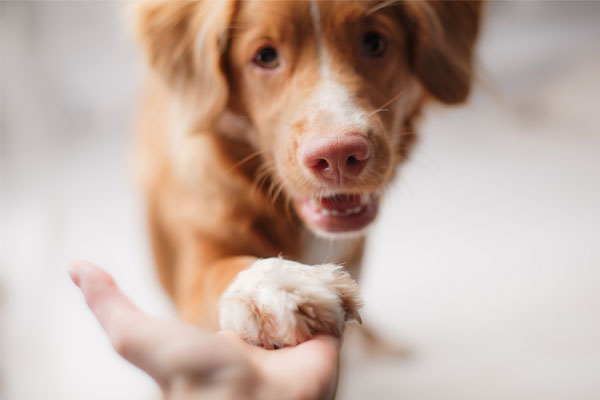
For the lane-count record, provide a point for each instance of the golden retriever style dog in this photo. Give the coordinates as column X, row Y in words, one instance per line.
column 268, row 133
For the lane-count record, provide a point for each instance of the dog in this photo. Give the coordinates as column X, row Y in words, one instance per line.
column 267, row 135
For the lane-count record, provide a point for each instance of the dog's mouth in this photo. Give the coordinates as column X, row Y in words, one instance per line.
column 339, row 213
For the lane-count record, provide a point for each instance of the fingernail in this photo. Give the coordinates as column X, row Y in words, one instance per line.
column 74, row 270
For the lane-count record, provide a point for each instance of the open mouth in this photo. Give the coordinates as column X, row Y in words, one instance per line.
column 340, row 212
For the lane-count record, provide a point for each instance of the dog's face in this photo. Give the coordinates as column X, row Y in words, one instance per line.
column 314, row 79
column 329, row 88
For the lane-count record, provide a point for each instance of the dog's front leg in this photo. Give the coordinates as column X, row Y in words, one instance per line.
column 201, row 286
column 272, row 302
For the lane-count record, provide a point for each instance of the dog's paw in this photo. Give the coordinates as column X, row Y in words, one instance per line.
column 277, row 302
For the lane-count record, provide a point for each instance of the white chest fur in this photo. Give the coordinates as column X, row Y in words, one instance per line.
column 318, row 250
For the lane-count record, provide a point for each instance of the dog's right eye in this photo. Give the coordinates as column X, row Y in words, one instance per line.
column 266, row 57
column 373, row 45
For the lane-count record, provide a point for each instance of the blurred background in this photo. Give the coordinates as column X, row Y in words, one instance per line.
column 485, row 263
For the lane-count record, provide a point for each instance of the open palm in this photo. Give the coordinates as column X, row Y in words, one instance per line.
column 188, row 362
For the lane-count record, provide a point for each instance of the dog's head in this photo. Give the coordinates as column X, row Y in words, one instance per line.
column 328, row 89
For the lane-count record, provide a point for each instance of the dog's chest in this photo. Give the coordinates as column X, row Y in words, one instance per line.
column 344, row 251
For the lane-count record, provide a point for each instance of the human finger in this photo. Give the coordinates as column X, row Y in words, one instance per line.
column 135, row 336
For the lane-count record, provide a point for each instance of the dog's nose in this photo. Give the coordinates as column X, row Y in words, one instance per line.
column 335, row 159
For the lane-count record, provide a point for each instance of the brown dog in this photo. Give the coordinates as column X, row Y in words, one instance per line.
column 268, row 133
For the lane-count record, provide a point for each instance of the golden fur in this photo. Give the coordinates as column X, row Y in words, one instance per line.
column 216, row 141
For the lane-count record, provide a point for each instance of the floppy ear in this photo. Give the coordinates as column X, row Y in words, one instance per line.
column 444, row 34
column 184, row 42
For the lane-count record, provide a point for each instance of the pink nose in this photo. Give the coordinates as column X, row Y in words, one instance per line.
column 336, row 159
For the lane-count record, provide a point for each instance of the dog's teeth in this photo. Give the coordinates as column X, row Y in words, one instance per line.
column 365, row 198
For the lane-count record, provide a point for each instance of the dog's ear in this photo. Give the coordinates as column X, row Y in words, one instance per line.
column 444, row 34
column 184, row 42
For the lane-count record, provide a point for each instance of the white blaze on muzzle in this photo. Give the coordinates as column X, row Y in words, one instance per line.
column 332, row 109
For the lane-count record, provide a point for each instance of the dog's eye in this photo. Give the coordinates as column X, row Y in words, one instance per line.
column 266, row 57
column 373, row 44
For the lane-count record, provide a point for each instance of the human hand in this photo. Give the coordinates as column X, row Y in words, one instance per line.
column 188, row 362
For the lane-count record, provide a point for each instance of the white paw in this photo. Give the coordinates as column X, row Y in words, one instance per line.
column 278, row 302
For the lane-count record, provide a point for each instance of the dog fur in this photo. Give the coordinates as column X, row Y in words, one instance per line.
column 219, row 138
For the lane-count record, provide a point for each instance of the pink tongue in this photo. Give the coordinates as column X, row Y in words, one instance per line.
column 341, row 202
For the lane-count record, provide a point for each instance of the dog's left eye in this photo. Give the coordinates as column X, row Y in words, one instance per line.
column 266, row 57
column 373, row 44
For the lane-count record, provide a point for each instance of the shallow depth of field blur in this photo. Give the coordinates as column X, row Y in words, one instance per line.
column 485, row 262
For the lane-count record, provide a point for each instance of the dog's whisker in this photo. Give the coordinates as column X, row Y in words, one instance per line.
column 377, row 111
column 262, row 175
column 393, row 99
column 246, row 159
column 380, row 6
column 277, row 191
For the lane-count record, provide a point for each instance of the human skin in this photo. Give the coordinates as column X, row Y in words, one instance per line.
column 188, row 362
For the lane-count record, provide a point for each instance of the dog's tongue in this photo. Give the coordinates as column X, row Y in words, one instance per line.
column 341, row 202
